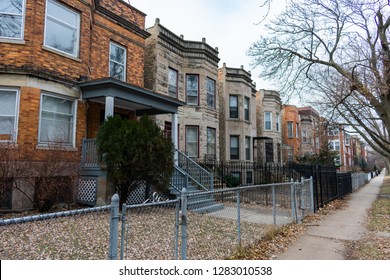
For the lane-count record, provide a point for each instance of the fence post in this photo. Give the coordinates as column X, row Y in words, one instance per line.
column 177, row 221
column 238, row 219
column 292, row 196
column 274, row 204
column 303, row 194
column 184, row 198
column 123, row 233
column 311, row 194
column 114, row 222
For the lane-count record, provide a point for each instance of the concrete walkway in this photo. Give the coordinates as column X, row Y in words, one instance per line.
column 325, row 241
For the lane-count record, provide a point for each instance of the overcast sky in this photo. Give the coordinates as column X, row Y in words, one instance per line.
column 230, row 25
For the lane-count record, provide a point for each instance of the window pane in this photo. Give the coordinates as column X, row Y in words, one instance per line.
column 192, row 85
column 117, row 71
column 7, row 102
column 117, row 54
column 56, row 120
column 233, row 101
column 7, row 125
column 62, row 28
column 7, row 112
column 61, row 13
column 211, row 139
column 210, row 93
column 192, row 141
column 11, row 6
column 11, row 26
column 172, row 82
column 61, row 37
column 58, row 105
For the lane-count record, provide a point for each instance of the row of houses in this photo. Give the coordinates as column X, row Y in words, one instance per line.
column 66, row 65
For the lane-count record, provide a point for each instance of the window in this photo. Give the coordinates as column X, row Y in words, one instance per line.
column 192, row 89
column 172, row 82
column 56, row 120
column 347, row 140
column 62, row 28
column 333, row 131
column 247, row 148
column 192, row 141
column 117, row 62
column 12, row 19
column 334, row 145
column 290, row 128
column 233, row 106
column 279, row 152
column 210, row 93
column 234, row 147
column 277, row 122
column 267, row 120
column 246, row 108
column 9, row 99
column 211, row 141
column 304, row 136
column 297, row 130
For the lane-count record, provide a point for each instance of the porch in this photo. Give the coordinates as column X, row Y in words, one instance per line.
column 95, row 188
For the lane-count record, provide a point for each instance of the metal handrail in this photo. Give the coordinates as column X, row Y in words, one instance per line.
column 198, row 174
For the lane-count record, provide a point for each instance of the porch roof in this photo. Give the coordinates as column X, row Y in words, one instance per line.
column 128, row 96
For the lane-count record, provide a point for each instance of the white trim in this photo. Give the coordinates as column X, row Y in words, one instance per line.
column 14, row 137
column 77, row 28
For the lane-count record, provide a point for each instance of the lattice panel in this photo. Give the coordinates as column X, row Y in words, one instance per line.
column 87, row 190
column 137, row 196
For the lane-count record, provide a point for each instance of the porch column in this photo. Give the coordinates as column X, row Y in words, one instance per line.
column 109, row 106
column 175, row 138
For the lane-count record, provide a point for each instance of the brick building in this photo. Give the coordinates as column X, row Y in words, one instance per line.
column 65, row 65
column 291, row 133
column 188, row 71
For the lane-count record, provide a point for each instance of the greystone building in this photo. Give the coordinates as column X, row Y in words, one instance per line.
column 269, row 141
column 237, row 122
column 188, row 71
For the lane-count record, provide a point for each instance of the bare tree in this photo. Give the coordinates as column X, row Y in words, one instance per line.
column 337, row 50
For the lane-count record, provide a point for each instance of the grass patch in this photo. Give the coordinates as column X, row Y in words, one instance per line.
column 375, row 245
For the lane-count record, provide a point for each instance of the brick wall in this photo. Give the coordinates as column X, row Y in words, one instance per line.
column 96, row 31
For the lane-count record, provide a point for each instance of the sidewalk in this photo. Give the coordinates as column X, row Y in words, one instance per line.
column 326, row 241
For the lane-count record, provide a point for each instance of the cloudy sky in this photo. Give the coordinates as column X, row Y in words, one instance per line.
column 230, row 25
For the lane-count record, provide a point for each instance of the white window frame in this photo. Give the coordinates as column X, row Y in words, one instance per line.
column 333, row 145
column 268, row 121
column 117, row 62
column 77, row 28
column 22, row 15
column 74, row 120
column 14, row 135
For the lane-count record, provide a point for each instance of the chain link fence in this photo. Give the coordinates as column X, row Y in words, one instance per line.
column 79, row 234
column 200, row 225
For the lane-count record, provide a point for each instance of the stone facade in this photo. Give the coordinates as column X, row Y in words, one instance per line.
column 170, row 63
column 269, row 126
column 311, row 133
column 238, row 120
